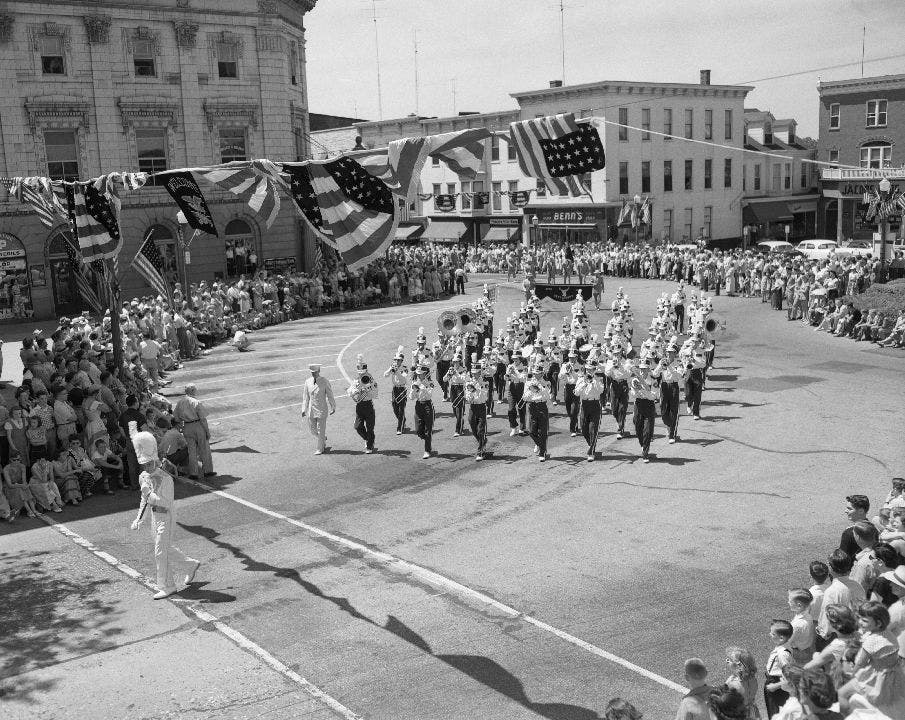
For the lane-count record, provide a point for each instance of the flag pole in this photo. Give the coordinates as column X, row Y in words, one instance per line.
column 116, row 332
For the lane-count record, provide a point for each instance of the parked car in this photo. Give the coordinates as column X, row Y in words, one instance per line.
column 855, row 248
column 819, row 249
column 775, row 246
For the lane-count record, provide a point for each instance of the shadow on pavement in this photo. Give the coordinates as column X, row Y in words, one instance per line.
column 46, row 619
column 478, row 667
column 731, row 403
column 720, row 418
column 236, row 449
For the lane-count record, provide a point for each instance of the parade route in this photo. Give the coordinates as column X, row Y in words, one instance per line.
column 444, row 588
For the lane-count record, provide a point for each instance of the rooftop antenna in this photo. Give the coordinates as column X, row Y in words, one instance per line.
column 863, row 34
column 377, row 55
column 454, row 94
column 562, row 38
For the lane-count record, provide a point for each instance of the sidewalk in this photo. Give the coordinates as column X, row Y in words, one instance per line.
column 79, row 639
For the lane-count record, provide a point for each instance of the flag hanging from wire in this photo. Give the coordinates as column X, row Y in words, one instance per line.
column 187, row 195
column 94, row 219
column 557, row 150
column 86, row 279
column 258, row 180
column 318, row 257
column 149, row 264
column 46, row 197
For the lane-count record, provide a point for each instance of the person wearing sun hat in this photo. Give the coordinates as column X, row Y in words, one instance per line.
column 896, row 627
column 317, row 403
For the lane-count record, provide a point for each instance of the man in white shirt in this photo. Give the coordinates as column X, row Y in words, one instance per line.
column 317, row 397
column 842, row 591
column 896, row 626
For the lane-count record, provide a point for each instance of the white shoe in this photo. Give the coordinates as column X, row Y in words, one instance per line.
column 536, row 449
column 425, row 456
column 399, row 432
column 672, row 441
column 645, row 460
column 479, row 457
column 513, row 432
column 545, row 457
column 574, row 435
column 164, row 594
column 318, row 452
column 697, row 417
column 369, row 451
column 619, row 436
column 190, row 576
column 455, row 434
column 590, row 458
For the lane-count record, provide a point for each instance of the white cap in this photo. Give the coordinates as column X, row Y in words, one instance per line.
column 145, row 447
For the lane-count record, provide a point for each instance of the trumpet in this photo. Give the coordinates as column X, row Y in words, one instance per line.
column 471, row 387
column 366, row 379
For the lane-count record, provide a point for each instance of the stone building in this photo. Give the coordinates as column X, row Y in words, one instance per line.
column 93, row 87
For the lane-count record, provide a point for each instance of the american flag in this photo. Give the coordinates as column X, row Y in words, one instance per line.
column 463, row 151
column 318, row 257
column 43, row 196
column 258, row 179
column 149, row 264
column 86, row 278
column 558, row 150
column 93, row 220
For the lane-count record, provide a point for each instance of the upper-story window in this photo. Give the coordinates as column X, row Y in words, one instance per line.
column 832, row 156
column 876, row 113
column 151, row 144
column 834, row 116
column 494, row 148
column 52, row 59
column 645, row 123
column 227, row 60
column 143, row 58
column 62, row 154
column 667, row 122
column 293, row 63
column 623, row 121
column 876, row 155
column 689, row 123
column 727, row 130
column 233, row 146
column 768, row 133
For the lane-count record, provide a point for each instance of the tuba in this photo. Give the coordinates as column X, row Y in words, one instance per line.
column 712, row 323
column 448, row 322
column 467, row 317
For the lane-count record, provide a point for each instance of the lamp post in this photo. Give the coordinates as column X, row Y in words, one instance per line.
column 636, row 216
column 534, row 223
column 885, row 188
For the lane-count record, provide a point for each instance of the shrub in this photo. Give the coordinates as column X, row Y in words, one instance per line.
column 886, row 297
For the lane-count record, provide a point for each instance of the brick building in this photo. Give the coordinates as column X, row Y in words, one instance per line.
column 90, row 88
column 862, row 127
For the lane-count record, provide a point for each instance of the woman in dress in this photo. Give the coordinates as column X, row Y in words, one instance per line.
column 6, row 512
column 743, row 678
column 94, row 410
column 64, row 416
column 879, row 671
column 43, row 486
column 16, row 428
column 16, row 488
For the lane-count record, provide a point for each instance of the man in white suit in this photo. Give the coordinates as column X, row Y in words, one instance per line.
column 317, row 403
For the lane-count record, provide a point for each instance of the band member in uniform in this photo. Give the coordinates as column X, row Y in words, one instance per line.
column 619, row 371
column 457, row 376
column 644, row 394
column 569, row 374
column 488, row 368
column 537, row 393
column 443, row 353
column 500, row 359
column 695, row 366
column 476, row 399
column 317, row 403
column 678, row 305
column 588, row 391
column 422, row 393
column 515, row 380
column 554, row 362
column 400, row 375
column 364, row 391
column 670, row 373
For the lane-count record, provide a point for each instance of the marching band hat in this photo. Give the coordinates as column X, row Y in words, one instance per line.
column 362, row 366
column 643, row 363
column 145, row 447
column 539, row 343
column 422, row 338
column 423, row 369
column 400, row 353
column 314, row 367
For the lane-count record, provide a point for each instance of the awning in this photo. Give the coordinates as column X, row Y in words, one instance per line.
column 777, row 210
column 502, row 234
column 453, row 231
column 409, row 232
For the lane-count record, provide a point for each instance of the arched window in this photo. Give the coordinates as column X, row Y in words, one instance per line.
column 15, row 281
column 241, row 252
column 876, row 154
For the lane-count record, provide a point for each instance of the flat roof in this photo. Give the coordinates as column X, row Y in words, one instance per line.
column 606, row 84
column 854, row 85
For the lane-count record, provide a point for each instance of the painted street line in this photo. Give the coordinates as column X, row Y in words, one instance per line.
column 269, row 373
column 263, row 410
column 232, row 634
column 409, row 569
column 261, row 390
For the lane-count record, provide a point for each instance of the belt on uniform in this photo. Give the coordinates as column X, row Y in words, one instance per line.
column 186, row 422
column 159, row 509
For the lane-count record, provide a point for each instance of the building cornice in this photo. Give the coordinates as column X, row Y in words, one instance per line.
column 41, row 110
column 230, row 109
column 861, row 85
column 630, row 88
column 136, row 110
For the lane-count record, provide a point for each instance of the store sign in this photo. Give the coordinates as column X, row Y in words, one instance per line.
column 569, row 216
column 11, row 247
column 856, row 189
column 505, row 222
column 280, row 266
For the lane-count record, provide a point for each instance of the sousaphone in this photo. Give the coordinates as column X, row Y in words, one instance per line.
column 448, row 322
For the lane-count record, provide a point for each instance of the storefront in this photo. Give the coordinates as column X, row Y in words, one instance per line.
column 572, row 224
column 501, row 230
column 448, row 231
column 841, row 210
column 768, row 217
column 15, row 279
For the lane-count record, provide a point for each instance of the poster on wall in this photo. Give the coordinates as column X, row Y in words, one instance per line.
column 38, row 276
column 280, row 266
column 15, row 285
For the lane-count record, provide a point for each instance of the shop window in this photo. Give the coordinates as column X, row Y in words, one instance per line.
column 62, row 150
column 241, row 253
column 15, row 290
column 876, row 113
column 233, row 146
column 52, row 59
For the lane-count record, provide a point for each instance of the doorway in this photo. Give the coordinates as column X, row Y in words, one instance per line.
column 66, row 297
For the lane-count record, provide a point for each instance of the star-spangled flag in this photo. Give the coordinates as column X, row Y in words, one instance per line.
column 318, row 257
column 85, row 278
column 259, row 180
column 184, row 190
column 557, row 150
column 461, row 151
column 519, row 198
column 93, row 218
column 149, row 264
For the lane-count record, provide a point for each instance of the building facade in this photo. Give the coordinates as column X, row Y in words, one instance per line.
column 862, row 128
column 780, row 186
column 91, row 88
column 695, row 188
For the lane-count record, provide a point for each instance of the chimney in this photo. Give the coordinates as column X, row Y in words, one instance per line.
column 705, row 77
column 555, row 83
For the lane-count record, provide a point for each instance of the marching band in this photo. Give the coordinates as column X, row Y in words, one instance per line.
column 474, row 371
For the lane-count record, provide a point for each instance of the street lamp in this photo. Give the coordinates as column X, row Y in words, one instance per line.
column 534, row 223
column 636, row 215
column 885, row 188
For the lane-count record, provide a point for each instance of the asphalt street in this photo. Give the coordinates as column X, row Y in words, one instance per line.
column 446, row 588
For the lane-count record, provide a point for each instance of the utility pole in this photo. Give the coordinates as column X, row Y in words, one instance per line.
column 562, row 38
column 454, row 94
column 415, row 33
column 377, row 54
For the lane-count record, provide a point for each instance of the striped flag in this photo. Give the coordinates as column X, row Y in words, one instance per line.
column 259, row 180
column 558, row 150
column 463, row 151
column 85, row 278
column 148, row 263
column 318, row 257
column 43, row 196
